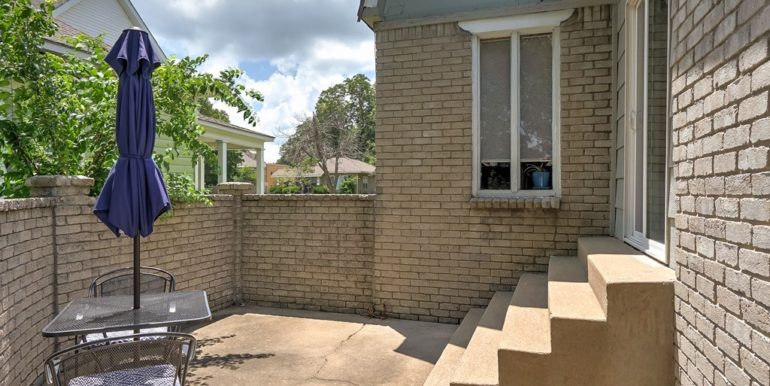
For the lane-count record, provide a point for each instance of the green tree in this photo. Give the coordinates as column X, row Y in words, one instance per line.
column 342, row 125
column 207, row 110
column 353, row 99
column 57, row 113
column 361, row 104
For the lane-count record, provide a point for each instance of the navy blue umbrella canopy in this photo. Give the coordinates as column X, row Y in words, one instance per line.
column 134, row 195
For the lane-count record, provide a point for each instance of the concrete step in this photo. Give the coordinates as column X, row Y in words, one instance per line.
column 526, row 339
column 478, row 365
column 447, row 362
column 570, row 297
column 636, row 294
column 612, row 263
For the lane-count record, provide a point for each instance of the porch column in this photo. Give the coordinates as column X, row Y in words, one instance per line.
column 222, row 161
column 200, row 173
column 261, row 171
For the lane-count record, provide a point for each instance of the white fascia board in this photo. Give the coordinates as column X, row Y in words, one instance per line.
column 62, row 49
column 241, row 138
column 533, row 21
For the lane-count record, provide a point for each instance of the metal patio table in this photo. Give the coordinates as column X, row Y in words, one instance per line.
column 116, row 313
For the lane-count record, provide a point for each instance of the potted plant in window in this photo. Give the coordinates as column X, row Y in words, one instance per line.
column 540, row 174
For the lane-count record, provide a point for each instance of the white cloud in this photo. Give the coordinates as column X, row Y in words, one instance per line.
column 292, row 90
column 312, row 45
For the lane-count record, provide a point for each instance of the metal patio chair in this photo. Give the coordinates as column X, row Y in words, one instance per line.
column 144, row 359
column 121, row 282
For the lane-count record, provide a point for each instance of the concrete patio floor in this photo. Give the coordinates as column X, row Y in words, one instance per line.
column 267, row 346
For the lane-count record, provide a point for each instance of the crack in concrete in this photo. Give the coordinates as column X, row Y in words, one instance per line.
column 334, row 351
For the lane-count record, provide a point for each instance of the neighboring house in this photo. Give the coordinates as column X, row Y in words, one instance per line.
column 346, row 167
column 651, row 119
column 111, row 17
column 269, row 170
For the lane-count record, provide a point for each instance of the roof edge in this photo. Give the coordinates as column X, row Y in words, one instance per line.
column 381, row 25
column 230, row 126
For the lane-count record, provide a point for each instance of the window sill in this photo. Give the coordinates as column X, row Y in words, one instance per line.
column 546, row 202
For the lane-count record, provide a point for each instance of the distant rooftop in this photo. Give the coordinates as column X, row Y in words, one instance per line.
column 346, row 166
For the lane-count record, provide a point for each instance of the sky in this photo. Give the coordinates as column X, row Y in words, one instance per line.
column 290, row 50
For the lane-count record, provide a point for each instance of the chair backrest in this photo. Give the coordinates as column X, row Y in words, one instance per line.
column 92, row 359
column 121, row 282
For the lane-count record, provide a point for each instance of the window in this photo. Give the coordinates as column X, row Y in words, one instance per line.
column 516, row 105
column 647, row 142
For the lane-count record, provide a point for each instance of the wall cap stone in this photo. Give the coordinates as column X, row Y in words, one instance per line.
column 7, row 205
column 57, row 181
column 309, row 197
column 216, row 197
column 234, row 186
column 72, row 187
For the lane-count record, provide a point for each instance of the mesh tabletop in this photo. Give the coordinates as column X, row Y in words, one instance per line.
column 115, row 313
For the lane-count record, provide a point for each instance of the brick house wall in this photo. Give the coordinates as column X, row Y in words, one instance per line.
column 310, row 252
column 721, row 248
column 437, row 253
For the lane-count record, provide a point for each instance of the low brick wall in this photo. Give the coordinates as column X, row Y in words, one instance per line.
column 194, row 242
column 52, row 247
column 312, row 252
column 26, row 290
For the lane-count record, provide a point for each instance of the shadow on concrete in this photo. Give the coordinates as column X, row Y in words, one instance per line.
column 228, row 361
column 421, row 339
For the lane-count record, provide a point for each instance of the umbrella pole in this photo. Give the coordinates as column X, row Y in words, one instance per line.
column 137, row 272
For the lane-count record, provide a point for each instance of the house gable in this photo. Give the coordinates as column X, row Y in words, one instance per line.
column 108, row 17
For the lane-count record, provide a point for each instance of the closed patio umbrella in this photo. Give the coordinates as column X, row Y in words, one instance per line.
column 134, row 194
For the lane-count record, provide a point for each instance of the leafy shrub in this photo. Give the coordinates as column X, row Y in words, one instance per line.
column 181, row 189
column 320, row 189
column 291, row 189
column 275, row 189
column 349, row 185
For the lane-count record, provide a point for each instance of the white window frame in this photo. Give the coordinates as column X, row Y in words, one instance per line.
column 639, row 240
column 513, row 27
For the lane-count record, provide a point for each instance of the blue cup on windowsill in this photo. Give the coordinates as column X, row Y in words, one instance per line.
column 541, row 180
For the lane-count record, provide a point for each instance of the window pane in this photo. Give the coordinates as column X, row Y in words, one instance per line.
column 495, row 175
column 535, row 97
column 495, row 119
column 656, row 119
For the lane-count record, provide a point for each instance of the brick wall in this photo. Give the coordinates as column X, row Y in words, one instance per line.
column 721, row 133
column 51, row 248
column 437, row 254
column 195, row 243
column 26, row 278
column 312, row 252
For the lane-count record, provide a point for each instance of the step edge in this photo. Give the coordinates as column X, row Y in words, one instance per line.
column 557, row 267
column 650, row 271
column 471, row 320
column 507, row 344
column 460, row 376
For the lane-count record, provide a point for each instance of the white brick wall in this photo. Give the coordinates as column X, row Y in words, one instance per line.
column 720, row 73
